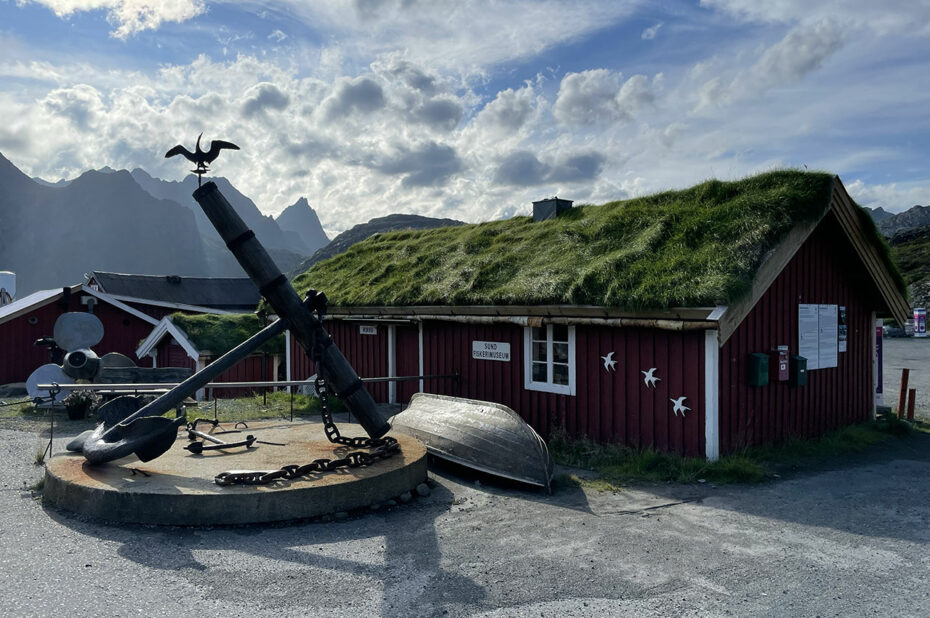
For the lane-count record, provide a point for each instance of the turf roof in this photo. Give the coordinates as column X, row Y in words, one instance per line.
column 696, row 247
column 219, row 334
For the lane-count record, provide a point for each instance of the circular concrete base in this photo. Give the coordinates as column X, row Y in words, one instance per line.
column 178, row 489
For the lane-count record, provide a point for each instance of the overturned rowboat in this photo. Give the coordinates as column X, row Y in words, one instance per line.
column 481, row 435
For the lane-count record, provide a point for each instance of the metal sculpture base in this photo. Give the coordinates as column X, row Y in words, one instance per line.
column 178, row 488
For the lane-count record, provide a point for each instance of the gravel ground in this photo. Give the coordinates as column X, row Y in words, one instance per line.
column 849, row 540
column 913, row 353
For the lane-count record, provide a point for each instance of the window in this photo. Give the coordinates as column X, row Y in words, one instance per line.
column 549, row 357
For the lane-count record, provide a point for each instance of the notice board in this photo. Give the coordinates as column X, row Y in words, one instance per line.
column 818, row 335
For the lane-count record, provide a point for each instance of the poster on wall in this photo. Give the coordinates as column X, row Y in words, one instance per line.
column 818, row 335
column 809, row 335
column 829, row 334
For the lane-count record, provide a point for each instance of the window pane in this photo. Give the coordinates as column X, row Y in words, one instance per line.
column 560, row 374
column 539, row 351
column 559, row 332
column 560, row 352
column 539, row 372
column 539, row 333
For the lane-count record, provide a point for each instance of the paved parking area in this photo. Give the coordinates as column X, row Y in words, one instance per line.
column 838, row 542
column 913, row 353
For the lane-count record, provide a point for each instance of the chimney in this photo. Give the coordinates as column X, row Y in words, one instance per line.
column 7, row 287
column 550, row 208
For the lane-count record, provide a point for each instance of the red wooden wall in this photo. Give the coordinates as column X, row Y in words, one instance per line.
column 613, row 406
column 368, row 354
column 825, row 270
column 249, row 369
column 609, row 406
column 122, row 332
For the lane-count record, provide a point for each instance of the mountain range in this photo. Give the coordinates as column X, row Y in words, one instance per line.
column 890, row 224
column 51, row 233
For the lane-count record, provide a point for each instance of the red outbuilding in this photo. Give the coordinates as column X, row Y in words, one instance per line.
column 698, row 321
column 129, row 306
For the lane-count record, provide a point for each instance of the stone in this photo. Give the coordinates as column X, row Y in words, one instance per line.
column 405, row 497
column 423, row 490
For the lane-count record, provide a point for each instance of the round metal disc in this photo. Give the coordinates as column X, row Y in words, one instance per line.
column 47, row 374
column 115, row 359
column 77, row 330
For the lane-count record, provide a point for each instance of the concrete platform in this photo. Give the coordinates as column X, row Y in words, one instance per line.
column 180, row 489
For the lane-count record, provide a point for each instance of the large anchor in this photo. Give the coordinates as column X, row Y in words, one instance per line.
column 148, row 434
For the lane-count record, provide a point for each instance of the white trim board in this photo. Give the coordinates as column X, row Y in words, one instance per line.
column 120, row 305
column 163, row 328
column 711, row 395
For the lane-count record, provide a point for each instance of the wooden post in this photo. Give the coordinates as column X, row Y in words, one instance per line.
column 902, row 394
column 911, row 396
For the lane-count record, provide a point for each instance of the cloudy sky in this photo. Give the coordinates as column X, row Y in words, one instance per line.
column 471, row 109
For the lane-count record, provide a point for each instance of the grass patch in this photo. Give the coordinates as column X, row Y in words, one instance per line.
column 219, row 334
column 38, row 486
column 696, row 247
column 617, row 465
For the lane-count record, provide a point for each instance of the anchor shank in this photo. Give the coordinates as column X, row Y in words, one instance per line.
column 279, row 293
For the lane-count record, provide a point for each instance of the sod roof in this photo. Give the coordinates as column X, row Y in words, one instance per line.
column 697, row 247
column 219, row 334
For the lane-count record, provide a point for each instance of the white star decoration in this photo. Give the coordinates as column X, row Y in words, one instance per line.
column 609, row 363
column 650, row 379
column 680, row 405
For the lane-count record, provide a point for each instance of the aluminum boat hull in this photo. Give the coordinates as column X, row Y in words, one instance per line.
column 482, row 435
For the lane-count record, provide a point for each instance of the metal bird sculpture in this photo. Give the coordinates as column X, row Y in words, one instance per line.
column 201, row 158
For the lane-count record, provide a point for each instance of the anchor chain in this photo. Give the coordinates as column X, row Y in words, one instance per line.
column 381, row 448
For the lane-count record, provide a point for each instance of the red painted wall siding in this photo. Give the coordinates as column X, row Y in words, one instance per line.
column 613, row 406
column 825, row 270
column 366, row 353
column 122, row 332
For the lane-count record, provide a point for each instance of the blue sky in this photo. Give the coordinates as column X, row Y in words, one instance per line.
column 471, row 109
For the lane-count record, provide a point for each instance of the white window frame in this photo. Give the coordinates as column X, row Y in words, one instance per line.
column 548, row 387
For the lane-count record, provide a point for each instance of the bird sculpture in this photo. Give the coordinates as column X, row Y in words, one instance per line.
column 609, row 363
column 679, row 406
column 201, row 158
column 650, row 378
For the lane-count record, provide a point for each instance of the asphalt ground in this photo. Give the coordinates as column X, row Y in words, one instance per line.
column 848, row 539
column 914, row 354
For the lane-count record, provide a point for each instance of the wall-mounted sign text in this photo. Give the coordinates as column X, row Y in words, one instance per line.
column 490, row 350
column 818, row 334
column 367, row 329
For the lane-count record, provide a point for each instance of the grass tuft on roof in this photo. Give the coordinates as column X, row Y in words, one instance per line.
column 221, row 333
column 696, row 247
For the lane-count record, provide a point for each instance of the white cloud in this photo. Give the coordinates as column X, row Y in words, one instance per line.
column 597, row 97
column 129, row 16
column 277, row 36
column 650, row 32
column 893, row 197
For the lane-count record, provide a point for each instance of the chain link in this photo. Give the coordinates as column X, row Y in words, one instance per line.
column 381, row 448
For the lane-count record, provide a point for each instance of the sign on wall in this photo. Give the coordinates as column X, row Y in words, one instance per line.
column 490, row 350
column 367, row 329
column 818, row 335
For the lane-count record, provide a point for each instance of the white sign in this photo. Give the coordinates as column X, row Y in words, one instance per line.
column 809, row 335
column 490, row 350
column 829, row 334
column 818, row 335
column 367, row 329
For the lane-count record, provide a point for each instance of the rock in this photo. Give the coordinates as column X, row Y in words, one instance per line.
column 341, row 516
column 423, row 490
column 391, row 503
column 375, row 507
column 405, row 497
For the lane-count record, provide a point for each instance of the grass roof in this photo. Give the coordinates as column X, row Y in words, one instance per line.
column 696, row 247
column 221, row 333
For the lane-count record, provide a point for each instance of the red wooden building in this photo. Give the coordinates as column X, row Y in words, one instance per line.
column 686, row 378
column 128, row 314
column 169, row 344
